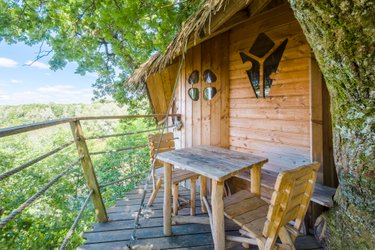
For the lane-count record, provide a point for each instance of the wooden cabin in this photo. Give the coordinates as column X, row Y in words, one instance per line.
column 247, row 81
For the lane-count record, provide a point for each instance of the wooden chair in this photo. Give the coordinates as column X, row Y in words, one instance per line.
column 178, row 175
column 263, row 223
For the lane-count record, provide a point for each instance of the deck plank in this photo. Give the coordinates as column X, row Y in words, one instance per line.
column 116, row 233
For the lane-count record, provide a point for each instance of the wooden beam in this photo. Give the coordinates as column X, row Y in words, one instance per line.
column 257, row 6
column 124, row 116
column 34, row 126
column 30, row 127
column 224, row 15
column 234, row 14
column 88, row 171
column 190, row 219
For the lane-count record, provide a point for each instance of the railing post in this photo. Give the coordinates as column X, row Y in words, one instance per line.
column 88, row 170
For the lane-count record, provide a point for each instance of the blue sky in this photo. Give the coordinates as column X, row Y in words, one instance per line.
column 22, row 84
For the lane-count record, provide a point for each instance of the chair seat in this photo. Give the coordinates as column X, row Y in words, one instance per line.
column 247, row 210
column 178, row 175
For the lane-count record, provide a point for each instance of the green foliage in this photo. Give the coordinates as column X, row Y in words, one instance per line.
column 45, row 223
column 109, row 37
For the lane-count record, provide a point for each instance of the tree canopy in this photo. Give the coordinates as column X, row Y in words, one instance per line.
column 109, row 37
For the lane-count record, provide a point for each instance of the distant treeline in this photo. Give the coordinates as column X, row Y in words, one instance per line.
column 45, row 223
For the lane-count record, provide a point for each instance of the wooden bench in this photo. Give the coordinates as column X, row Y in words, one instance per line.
column 323, row 195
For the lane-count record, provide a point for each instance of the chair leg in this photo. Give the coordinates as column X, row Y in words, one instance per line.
column 203, row 191
column 155, row 192
column 175, row 199
column 193, row 196
column 286, row 239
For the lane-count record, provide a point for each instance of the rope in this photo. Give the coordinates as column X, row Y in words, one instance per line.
column 118, row 150
column 28, row 202
column 28, row 164
column 124, row 134
column 73, row 227
column 120, row 180
column 141, row 205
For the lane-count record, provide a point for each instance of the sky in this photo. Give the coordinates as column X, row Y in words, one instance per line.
column 23, row 84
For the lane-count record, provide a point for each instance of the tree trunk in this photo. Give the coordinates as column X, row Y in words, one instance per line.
column 342, row 34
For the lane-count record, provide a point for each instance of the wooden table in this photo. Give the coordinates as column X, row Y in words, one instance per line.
column 215, row 163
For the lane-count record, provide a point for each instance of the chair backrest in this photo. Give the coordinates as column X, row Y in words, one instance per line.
column 167, row 144
column 290, row 200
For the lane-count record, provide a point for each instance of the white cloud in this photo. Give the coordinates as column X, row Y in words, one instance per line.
column 38, row 65
column 15, row 81
column 64, row 94
column 7, row 63
column 92, row 74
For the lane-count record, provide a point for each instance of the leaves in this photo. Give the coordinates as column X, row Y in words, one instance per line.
column 110, row 37
column 45, row 223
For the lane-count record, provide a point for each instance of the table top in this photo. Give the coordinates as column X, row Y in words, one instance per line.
column 213, row 162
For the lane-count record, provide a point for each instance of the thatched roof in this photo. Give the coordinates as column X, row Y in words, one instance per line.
column 195, row 28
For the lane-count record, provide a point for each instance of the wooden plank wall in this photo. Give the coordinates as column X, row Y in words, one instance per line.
column 205, row 122
column 278, row 126
column 160, row 87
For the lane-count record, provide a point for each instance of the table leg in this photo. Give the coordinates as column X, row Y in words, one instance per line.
column 167, row 220
column 255, row 176
column 218, row 233
column 203, row 191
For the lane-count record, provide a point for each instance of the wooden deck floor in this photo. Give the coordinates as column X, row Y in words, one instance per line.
column 116, row 233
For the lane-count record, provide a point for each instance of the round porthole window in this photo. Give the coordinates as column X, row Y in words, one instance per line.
column 194, row 94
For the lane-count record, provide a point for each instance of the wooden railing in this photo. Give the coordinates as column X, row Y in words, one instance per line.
column 83, row 158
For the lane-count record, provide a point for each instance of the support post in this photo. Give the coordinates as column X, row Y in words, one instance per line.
column 88, row 171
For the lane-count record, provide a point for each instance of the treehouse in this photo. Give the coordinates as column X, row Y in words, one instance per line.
column 243, row 77
column 240, row 76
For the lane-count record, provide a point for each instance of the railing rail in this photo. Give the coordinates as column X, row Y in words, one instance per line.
column 83, row 157
column 75, row 223
column 32, row 162
column 124, row 134
column 39, row 125
column 29, row 201
column 118, row 150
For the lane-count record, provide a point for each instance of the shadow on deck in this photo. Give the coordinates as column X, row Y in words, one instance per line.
column 116, row 233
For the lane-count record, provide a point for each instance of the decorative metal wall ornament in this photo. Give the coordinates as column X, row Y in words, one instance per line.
column 209, row 76
column 194, row 77
column 265, row 58
column 209, row 92
column 194, row 94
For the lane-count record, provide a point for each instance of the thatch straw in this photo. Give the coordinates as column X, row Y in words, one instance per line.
column 195, row 27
